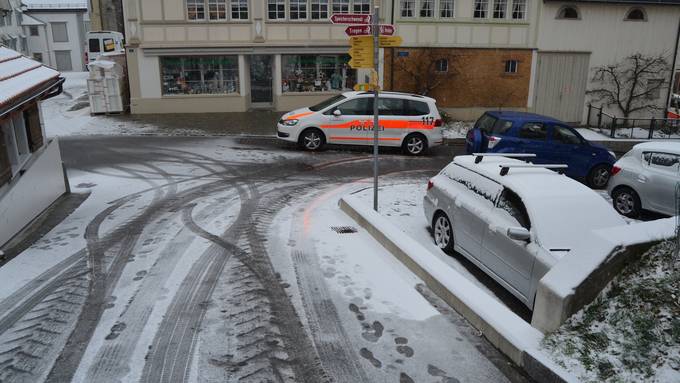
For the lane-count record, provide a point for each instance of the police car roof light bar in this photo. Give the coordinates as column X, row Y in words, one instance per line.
column 479, row 156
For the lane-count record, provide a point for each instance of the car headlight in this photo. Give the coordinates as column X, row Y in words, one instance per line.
column 613, row 154
column 290, row 122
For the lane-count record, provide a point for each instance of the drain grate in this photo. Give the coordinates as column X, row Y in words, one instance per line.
column 344, row 229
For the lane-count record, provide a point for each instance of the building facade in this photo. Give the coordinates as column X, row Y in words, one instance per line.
column 235, row 55
column 578, row 36
column 31, row 173
column 482, row 49
column 55, row 32
column 11, row 31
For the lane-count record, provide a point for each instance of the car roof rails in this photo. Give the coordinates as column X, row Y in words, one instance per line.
column 479, row 156
column 506, row 167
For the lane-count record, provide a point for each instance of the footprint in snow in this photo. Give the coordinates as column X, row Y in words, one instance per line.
column 368, row 355
column 436, row 371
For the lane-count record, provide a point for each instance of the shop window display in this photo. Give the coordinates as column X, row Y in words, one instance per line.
column 199, row 75
column 316, row 73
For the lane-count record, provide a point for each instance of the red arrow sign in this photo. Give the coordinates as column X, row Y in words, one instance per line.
column 365, row 30
column 350, row 18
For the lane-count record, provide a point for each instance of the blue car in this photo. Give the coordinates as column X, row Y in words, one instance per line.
column 553, row 142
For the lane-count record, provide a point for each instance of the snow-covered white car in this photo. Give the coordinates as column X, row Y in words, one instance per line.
column 645, row 178
column 512, row 219
column 407, row 120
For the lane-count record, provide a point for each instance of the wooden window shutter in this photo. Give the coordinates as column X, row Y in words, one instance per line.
column 5, row 166
column 33, row 128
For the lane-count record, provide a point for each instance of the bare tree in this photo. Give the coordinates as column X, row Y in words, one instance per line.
column 632, row 84
column 427, row 69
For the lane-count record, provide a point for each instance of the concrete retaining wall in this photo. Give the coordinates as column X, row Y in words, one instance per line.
column 27, row 195
column 579, row 277
column 503, row 328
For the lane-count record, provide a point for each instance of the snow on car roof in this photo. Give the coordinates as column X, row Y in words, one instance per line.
column 560, row 208
column 665, row 146
column 361, row 92
column 526, row 182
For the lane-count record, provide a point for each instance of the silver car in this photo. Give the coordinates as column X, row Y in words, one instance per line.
column 512, row 219
column 646, row 178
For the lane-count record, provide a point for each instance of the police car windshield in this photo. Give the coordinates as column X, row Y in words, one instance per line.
column 326, row 103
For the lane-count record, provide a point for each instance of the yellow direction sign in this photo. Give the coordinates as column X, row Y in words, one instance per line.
column 364, row 41
column 366, row 87
column 390, row 41
column 361, row 52
column 356, row 64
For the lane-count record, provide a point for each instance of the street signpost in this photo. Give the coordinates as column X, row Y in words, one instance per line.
column 367, row 36
column 376, row 122
column 350, row 18
column 367, row 30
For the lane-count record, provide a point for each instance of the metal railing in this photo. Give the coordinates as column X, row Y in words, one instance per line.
column 639, row 128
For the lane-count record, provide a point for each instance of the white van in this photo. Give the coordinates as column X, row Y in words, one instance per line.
column 100, row 42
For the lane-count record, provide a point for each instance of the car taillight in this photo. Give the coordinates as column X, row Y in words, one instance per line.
column 615, row 169
column 430, row 184
column 437, row 122
column 493, row 141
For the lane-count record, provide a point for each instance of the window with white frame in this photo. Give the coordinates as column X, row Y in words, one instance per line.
column 184, row 75
column 407, row 8
column 511, row 66
column 362, row 6
column 340, row 6
column 519, row 9
column 16, row 141
column 239, row 9
column 319, row 9
column 499, row 8
column 481, row 9
column 196, row 9
column 217, row 9
column 276, row 9
column 426, row 8
column 446, row 8
column 298, row 9
column 442, row 65
column 59, row 32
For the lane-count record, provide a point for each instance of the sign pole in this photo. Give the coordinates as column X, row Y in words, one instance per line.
column 376, row 122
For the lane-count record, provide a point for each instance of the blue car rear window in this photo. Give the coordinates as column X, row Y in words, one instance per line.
column 492, row 126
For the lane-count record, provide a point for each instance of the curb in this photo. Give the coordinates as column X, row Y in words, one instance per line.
column 506, row 331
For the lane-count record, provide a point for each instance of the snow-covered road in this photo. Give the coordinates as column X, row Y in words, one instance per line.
column 213, row 259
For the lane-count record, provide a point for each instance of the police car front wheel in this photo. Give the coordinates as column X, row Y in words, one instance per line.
column 415, row 144
column 312, row 139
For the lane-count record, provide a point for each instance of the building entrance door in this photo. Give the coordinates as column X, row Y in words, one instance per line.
column 261, row 79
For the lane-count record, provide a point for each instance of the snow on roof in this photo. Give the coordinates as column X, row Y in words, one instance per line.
column 55, row 4
column 27, row 20
column 665, row 146
column 19, row 75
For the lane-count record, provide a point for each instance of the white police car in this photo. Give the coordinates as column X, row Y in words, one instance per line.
column 410, row 121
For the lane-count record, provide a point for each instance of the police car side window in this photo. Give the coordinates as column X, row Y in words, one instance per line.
column 416, row 108
column 390, row 106
column 357, row 107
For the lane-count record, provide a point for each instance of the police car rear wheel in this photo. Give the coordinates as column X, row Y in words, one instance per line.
column 312, row 139
column 415, row 144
